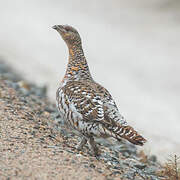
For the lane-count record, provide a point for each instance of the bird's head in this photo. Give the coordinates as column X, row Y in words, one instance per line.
column 69, row 34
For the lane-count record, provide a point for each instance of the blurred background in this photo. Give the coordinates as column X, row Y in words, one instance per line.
column 132, row 47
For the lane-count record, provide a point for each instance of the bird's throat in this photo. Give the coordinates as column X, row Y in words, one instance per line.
column 77, row 64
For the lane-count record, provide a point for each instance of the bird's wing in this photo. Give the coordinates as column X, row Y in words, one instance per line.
column 93, row 102
column 111, row 112
column 85, row 100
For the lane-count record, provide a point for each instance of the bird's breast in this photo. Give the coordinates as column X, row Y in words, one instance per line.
column 67, row 109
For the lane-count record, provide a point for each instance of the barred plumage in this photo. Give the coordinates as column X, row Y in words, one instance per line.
column 86, row 106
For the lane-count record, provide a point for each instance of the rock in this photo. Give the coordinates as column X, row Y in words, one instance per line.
column 153, row 158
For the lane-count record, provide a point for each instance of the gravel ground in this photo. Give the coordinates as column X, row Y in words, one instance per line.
column 35, row 144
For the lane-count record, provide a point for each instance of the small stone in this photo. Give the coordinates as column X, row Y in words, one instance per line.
column 66, row 159
column 49, row 109
column 151, row 170
column 100, row 170
column 78, row 155
column 25, row 92
column 126, row 154
column 24, row 85
column 153, row 158
column 86, row 166
column 140, row 166
column 109, row 163
column 116, row 172
column 73, row 161
column 92, row 165
column 87, row 178
column 46, row 113
column 138, row 178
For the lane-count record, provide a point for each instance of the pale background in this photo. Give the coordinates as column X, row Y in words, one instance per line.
column 132, row 47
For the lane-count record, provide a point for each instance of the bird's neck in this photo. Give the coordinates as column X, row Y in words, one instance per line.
column 77, row 68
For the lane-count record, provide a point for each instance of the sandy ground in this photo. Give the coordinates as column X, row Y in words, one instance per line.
column 132, row 49
column 27, row 149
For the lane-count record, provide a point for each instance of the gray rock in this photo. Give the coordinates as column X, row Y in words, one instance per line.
column 153, row 158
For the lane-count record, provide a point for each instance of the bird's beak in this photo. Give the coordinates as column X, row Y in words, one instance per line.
column 55, row 27
column 59, row 28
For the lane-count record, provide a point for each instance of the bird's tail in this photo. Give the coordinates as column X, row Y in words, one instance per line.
column 128, row 133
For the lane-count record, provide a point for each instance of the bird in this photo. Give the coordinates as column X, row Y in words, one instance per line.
column 85, row 105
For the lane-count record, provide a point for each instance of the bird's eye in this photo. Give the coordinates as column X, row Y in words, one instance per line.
column 67, row 29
